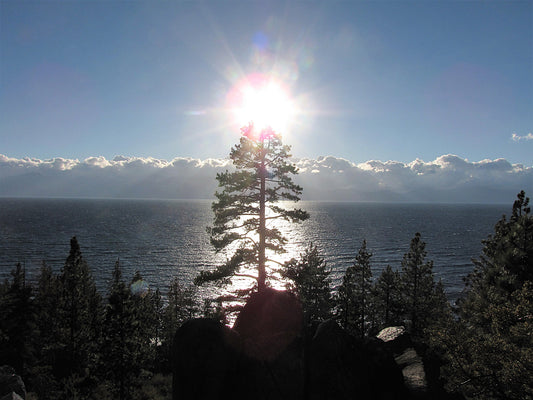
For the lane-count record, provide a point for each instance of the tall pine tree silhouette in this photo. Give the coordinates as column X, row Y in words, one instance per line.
column 248, row 205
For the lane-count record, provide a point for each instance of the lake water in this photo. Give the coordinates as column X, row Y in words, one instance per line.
column 165, row 239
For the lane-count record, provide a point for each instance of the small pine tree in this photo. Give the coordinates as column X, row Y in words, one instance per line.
column 354, row 300
column 417, row 284
column 79, row 312
column 119, row 346
column 386, row 295
column 181, row 306
column 18, row 323
column 309, row 279
column 145, row 332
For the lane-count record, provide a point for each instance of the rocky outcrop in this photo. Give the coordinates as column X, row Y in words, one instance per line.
column 343, row 367
column 11, row 385
column 267, row 355
column 399, row 343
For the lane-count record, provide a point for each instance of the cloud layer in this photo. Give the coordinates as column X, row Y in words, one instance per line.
column 448, row 178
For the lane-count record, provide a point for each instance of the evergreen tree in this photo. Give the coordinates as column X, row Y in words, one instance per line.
column 354, row 302
column 121, row 363
column 79, row 312
column 489, row 350
column 387, row 300
column 17, row 323
column 181, row 307
column 144, row 313
column 309, row 279
column 47, row 300
column 418, row 286
column 248, row 205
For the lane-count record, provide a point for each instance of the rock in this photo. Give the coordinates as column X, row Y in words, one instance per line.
column 399, row 342
column 413, row 370
column 269, row 326
column 11, row 383
column 11, row 396
column 269, row 322
column 343, row 367
column 396, row 338
column 205, row 356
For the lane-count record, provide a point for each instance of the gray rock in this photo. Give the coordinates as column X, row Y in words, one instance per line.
column 10, row 382
column 11, row 396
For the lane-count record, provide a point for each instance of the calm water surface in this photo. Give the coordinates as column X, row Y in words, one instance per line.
column 165, row 239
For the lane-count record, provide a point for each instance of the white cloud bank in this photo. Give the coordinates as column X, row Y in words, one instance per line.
column 448, row 178
column 518, row 138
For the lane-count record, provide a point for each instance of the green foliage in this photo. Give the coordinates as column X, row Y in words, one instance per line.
column 248, row 203
column 489, row 350
column 121, row 359
column 354, row 296
column 18, row 322
column 422, row 301
column 309, row 279
column 182, row 305
column 386, row 295
column 79, row 311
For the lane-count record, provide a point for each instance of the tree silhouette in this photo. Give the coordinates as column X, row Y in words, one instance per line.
column 386, row 294
column 310, row 281
column 248, row 205
column 489, row 350
column 79, row 311
column 354, row 297
column 418, row 286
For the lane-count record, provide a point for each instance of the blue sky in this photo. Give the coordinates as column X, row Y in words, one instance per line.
column 374, row 80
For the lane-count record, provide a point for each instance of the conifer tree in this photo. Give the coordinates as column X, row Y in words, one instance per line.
column 248, row 205
column 80, row 314
column 310, row 280
column 386, row 295
column 120, row 352
column 18, row 323
column 489, row 350
column 354, row 296
column 181, row 306
column 144, row 313
column 417, row 283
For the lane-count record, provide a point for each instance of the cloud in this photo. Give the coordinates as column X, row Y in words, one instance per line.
column 517, row 138
column 448, row 178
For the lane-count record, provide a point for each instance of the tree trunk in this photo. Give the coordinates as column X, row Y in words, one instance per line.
column 261, row 278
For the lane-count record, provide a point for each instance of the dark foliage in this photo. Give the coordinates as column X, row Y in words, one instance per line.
column 247, row 205
column 309, row 278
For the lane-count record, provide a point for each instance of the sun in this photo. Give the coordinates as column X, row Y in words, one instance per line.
column 263, row 101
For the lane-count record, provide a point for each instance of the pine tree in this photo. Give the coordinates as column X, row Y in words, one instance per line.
column 145, row 328
column 354, row 296
column 418, row 285
column 247, row 207
column 309, row 279
column 80, row 314
column 18, row 323
column 489, row 350
column 119, row 349
column 181, row 307
column 386, row 294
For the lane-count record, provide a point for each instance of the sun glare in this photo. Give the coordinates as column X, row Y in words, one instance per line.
column 263, row 102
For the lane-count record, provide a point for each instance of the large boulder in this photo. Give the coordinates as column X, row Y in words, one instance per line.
column 269, row 322
column 10, row 383
column 340, row 366
column 399, row 343
column 205, row 357
column 270, row 326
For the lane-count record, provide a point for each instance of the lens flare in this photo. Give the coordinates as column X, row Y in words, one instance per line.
column 262, row 101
